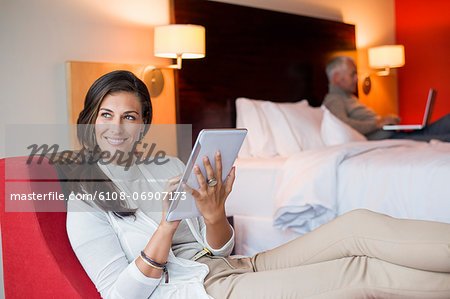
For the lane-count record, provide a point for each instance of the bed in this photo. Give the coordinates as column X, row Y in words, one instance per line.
column 281, row 194
column 277, row 199
column 299, row 167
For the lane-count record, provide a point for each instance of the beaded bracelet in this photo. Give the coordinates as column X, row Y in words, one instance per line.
column 155, row 265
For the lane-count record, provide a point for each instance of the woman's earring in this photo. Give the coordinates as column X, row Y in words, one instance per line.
column 94, row 139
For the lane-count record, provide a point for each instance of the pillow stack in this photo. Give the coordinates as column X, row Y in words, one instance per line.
column 284, row 129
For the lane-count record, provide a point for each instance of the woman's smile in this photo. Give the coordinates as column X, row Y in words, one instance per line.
column 115, row 141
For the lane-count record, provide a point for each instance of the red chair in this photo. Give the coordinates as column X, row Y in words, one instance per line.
column 38, row 261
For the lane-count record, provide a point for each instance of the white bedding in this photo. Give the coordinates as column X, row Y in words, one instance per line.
column 252, row 204
column 254, row 187
column 401, row 178
column 256, row 234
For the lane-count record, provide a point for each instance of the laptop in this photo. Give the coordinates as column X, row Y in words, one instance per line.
column 426, row 117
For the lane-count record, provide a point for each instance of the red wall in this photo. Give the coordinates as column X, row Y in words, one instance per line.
column 424, row 28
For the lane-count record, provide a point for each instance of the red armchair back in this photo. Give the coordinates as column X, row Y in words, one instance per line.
column 38, row 261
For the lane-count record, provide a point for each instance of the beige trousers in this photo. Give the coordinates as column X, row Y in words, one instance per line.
column 361, row 254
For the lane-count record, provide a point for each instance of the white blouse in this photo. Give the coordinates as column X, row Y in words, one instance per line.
column 107, row 246
column 137, row 186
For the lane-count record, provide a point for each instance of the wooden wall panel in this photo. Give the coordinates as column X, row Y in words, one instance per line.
column 253, row 53
column 81, row 75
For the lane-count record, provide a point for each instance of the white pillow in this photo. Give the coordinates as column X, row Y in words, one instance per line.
column 259, row 141
column 334, row 131
column 286, row 144
column 305, row 123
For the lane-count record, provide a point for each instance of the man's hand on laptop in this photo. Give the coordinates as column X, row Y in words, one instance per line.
column 390, row 119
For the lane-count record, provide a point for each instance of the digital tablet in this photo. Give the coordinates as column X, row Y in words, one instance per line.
column 228, row 142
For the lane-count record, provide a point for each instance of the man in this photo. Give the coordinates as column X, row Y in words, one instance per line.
column 341, row 101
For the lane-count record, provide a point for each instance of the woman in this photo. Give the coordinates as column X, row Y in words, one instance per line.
column 130, row 251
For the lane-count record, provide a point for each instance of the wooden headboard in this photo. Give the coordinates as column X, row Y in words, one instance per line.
column 253, row 53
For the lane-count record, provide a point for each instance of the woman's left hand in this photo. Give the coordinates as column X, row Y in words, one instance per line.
column 210, row 200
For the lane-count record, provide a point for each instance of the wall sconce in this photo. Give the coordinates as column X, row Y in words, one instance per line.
column 386, row 57
column 177, row 41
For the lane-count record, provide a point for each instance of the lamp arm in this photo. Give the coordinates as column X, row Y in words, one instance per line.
column 175, row 66
column 386, row 72
column 172, row 66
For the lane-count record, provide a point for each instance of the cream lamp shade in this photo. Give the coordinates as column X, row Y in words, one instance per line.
column 179, row 41
column 387, row 56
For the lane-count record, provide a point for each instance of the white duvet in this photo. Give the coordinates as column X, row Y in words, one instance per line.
column 401, row 178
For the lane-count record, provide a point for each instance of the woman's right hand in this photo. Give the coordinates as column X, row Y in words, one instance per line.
column 171, row 186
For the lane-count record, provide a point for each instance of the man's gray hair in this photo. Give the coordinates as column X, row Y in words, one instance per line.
column 336, row 64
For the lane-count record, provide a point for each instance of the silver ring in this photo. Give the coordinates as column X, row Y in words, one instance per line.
column 211, row 182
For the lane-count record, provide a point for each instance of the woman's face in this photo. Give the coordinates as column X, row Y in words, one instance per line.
column 119, row 123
